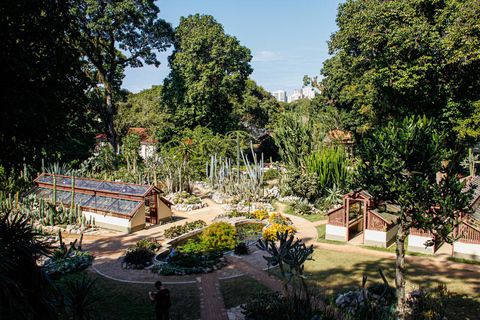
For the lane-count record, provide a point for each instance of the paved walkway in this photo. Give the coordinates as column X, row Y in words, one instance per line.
column 109, row 250
column 211, row 299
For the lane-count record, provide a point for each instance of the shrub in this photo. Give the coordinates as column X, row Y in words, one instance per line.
column 265, row 305
column 241, row 248
column 82, row 299
column 270, row 233
column 214, row 255
column 302, row 207
column 304, row 185
column 380, row 289
column 235, row 214
column 258, row 214
column 185, row 260
column 280, row 219
column 271, row 174
column 138, row 256
column 151, row 244
column 176, row 231
column 76, row 261
column 430, row 304
column 219, row 236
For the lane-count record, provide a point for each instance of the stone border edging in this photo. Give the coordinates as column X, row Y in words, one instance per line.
column 137, row 282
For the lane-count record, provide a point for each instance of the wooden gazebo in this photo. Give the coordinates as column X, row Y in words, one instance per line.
column 357, row 217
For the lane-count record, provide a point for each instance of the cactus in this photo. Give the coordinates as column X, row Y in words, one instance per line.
column 72, row 202
column 51, row 219
column 54, row 199
column 221, row 176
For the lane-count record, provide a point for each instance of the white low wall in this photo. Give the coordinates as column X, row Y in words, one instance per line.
column 335, row 233
column 114, row 223
column 392, row 235
column 375, row 238
column 466, row 251
column 417, row 244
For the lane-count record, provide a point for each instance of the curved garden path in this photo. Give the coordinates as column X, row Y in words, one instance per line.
column 109, row 249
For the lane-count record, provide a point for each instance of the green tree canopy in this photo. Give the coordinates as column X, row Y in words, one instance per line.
column 43, row 110
column 400, row 58
column 257, row 107
column 399, row 164
column 145, row 110
column 208, row 73
column 114, row 34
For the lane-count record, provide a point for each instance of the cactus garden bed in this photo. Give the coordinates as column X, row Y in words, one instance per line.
column 67, row 259
column 185, row 202
column 75, row 261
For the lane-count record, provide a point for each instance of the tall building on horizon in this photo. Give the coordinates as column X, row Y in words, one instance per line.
column 308, row 93
column 280, row 95
column 296, row 95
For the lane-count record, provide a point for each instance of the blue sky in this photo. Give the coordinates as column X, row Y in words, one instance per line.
column 288, row 39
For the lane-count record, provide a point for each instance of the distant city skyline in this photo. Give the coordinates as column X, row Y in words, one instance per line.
column 287, row 38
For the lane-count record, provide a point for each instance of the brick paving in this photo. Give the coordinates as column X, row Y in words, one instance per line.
column 212, row 306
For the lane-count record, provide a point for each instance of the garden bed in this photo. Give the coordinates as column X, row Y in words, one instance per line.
column 185, row 202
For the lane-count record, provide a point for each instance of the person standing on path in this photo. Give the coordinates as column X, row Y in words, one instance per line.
column 162, row 301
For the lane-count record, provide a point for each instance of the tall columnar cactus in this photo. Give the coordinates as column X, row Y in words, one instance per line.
column 54, row 198
column 72, row 202
column 248, row 186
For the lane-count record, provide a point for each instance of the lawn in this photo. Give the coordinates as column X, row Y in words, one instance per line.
column 237, row 291
column 309, row 217
column 338, row 272
column 129, row 301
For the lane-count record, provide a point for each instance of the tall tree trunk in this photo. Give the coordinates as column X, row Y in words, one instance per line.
column 112, row 136
column 400, row 273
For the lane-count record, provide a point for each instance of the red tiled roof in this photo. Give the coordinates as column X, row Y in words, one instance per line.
column 142, row 132
column 101, row 136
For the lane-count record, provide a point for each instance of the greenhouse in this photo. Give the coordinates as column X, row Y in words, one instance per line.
column 119, row 206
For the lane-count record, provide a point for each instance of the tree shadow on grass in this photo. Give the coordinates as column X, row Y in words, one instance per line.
column 346, row 274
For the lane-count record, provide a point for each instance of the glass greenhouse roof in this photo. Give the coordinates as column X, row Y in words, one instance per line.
column 97, row 185
column 125, row 207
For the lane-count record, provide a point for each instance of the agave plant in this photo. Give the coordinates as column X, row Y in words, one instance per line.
column 58, row 169
column 24, row 288
column 81, row 299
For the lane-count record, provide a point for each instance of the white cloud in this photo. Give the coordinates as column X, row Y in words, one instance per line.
column 264, row 56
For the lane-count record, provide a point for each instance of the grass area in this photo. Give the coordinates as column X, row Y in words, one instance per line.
column 129, row 301
column 321, row 236
column 237, row 291
column 463, row 260
column 392, row 248
column 309, row 217
column 338, row 272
